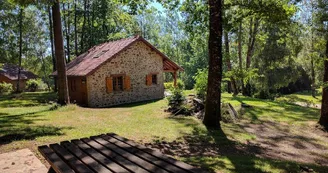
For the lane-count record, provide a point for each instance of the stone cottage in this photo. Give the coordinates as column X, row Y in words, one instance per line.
column 117, row 72
column 9, row 74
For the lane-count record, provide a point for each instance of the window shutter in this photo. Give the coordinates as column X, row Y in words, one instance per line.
column 109, row 84
column 148, row 80
column 127, row 83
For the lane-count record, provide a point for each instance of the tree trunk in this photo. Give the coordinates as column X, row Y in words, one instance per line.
column 313, row 77
column 75, row 29
column 54, row 68
column 240, row 57
column 229, row 66
column 324, row 107
column 44, row 71
column 83, row 26
column 212, row 116
column 20, row 49
column 68, row 30
column 63, row 97
column 89, row 26
column 251, row 43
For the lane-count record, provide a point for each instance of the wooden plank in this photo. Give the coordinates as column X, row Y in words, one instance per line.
column 86, row 159
column 159, row 155
column 74, row 162
column 54, row 160
column 165, row 165
column 137, row 160
column 114, row 156
column 110, row 164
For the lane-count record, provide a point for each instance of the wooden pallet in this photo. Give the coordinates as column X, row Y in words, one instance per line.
column 110, row 153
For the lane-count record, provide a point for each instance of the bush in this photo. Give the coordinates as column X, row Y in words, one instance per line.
column 42, row 86
column 177, row 96
column 176, row 102
column 33, row 85
column 201, row 83
column 6, row 88
column 170, row 85
column 263, row 94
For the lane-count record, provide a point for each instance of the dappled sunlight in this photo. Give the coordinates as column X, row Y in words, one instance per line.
column 27, row 99
column 267, row 129
column 24, row 126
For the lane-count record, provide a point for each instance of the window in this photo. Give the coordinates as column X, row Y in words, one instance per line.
column 154, row 79
column 151, row 79
column 118, row 83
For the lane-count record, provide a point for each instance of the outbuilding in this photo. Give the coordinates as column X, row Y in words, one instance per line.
column 118, row 72
column 9, row 74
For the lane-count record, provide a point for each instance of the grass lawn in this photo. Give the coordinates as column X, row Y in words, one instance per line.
column 28, row 120
column 302, row 97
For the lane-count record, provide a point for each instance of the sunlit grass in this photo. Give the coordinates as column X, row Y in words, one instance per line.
column 249, row 164
column 302, row 97
column 30, row 119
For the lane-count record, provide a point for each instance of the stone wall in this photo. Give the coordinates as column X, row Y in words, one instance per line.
column 137, row 61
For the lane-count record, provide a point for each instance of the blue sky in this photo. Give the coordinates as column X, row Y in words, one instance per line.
column 158, row 6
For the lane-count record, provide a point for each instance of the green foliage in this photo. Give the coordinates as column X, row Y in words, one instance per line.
column 170, row 85
column 33, row 85
column 177, row 96
column 6, row 88
column 201, row 83
column 264, row 94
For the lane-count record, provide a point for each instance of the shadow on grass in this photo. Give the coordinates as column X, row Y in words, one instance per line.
column 135, row 104
column 27, row 99
column 20, row 127
column 213, row 150
column 203, row 143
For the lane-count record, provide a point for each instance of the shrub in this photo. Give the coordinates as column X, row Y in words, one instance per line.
column 33, row 85
column 176, row 102
column 6, row 88
column 42, row 86
column 170, row 85
column 180, row 84
column 264, row 94
column 201, row 83
column 177, row 96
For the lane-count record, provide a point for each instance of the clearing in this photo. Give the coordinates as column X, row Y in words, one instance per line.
column 271, row 136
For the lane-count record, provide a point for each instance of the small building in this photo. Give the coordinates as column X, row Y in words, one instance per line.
column 118, row 72
column 9, row 74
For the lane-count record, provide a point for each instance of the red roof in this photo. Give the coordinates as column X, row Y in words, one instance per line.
column 11, row 72
column 89, row 61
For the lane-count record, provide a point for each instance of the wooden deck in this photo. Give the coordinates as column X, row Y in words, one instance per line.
column 108, row 154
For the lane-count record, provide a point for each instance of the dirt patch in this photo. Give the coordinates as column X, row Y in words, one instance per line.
column 282, row 141
column 301, row 143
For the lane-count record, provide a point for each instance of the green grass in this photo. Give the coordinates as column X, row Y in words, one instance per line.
column 302, row 97
column 267, row 110
column 249, row 164
column 28, row 120
column 26, row 99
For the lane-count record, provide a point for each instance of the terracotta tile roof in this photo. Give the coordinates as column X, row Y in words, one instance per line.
column 11, row 72
column 89, row 61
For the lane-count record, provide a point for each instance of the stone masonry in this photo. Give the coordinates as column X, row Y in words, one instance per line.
column 137, row 61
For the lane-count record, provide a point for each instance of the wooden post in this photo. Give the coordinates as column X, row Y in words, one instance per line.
column 175, row 78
